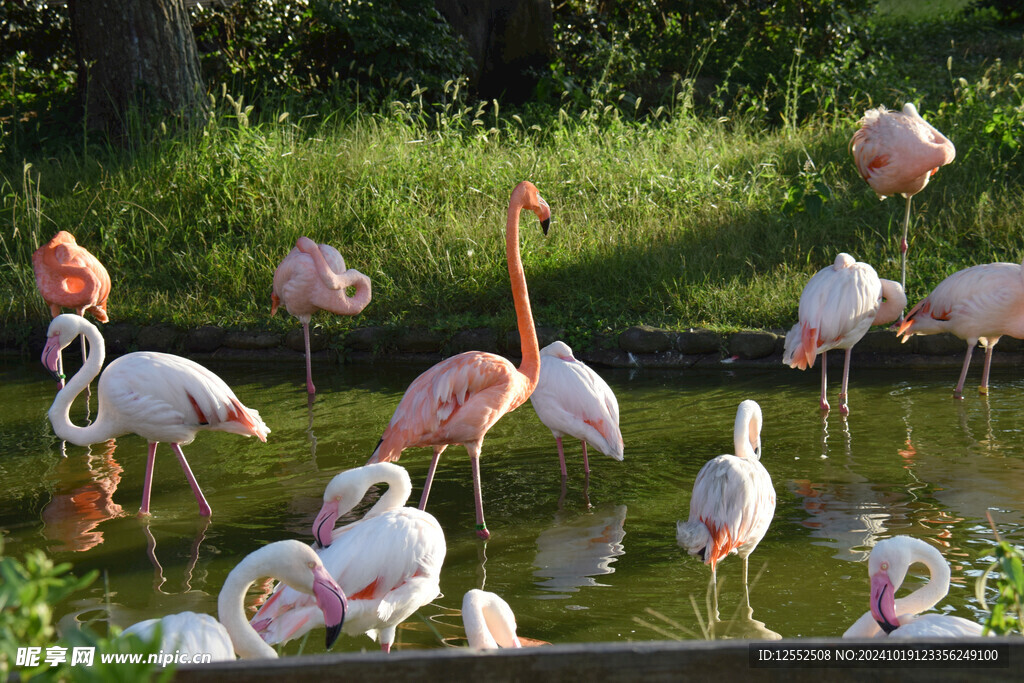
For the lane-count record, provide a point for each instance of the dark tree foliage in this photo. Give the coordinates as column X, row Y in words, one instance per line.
column 313, row 45
column 742, row 45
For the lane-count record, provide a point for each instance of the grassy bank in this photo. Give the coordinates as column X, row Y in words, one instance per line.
column 673, row 218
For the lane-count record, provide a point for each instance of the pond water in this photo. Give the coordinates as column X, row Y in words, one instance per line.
column 588, row 563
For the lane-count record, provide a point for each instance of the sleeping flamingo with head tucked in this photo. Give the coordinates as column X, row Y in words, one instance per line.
column 897, row 152
column 311, row 278
column 159, row 396
column 573, row 400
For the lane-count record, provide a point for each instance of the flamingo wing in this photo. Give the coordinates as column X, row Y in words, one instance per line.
column 971, row 303
column 896, row 152
column 389, row 566
column 937, row 626
column 188, row 632
column 735, row 500
column 163, row 397
column 837, row 307
column 455, row 401
column 571, row 399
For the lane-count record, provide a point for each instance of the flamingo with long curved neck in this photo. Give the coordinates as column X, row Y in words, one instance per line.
column 159, row 396
column 458, row 400
column 290, row 562
column 899, row 618
column 388, row 562
column 313, row 277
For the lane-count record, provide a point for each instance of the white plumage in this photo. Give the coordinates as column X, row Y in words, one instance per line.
column 194, row 634
column 887, row 566
column 733, row 499
column 489, row 621
column 573, row 400
column 159, row 396
column 837, row 307
column 388, row 563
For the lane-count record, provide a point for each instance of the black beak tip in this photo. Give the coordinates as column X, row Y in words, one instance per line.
column 332, row 633
column 886, row 626
column 545, row 224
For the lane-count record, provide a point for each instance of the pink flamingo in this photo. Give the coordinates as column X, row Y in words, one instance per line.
column 733, row 499
column 573, row 400
column 313, row 277
column 158, row 396
column 887, row 566
column 980, row 303
column 388, row 562
column 897, row 152
column 68, row 276
column 291, row 562
column 460, row 398
column 837, row 307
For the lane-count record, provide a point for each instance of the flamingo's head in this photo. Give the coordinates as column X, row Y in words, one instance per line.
column 323, row 526
column 558, row 349
column 62, row 331
column 887, row 568
column 530, row 199
column 330, row 598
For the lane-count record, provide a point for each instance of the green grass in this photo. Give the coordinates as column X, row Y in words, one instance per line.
column 675, row 220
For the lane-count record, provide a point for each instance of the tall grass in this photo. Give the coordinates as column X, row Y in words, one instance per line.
column 667, row 218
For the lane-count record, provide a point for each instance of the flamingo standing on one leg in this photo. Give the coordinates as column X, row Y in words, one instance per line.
column 897, row 152
column 68, row 276
column 887, row 566
column 460, row 398
column 291, row 562
column 159, row 396
column 980, row 303
column 733, row 499
column 573, row 400
column 837, row 307
column 313, row 277
column 388, row 562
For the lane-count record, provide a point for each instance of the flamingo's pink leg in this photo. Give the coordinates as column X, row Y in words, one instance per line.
column 586, row 461
column 474, row 461
column 983, row 389
column 561, row 457
column 824, row 374
column 958, row 392
column 204, row 507
column 843, row 408
column 309, row 368
column 147, row 483
column 438, row 450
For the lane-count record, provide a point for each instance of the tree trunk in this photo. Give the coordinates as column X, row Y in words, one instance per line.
column 136, row 53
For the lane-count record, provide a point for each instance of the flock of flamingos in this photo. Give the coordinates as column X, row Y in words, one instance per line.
column 369, row 575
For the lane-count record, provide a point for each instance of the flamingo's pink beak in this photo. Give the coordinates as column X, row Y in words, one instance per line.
column 323, row 526
column 51, row 359
column 331, row 601
column 883, row 602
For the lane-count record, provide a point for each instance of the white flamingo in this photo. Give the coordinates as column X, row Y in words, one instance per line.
column 489, row 621
column 573, row 400
column 887, row 566
column 388, row 563
column 291, row 562
column 733, row 499
column 159, row 396
column 837, row 307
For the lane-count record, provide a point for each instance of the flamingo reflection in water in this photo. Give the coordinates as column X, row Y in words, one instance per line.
column 578, row 548
column 84, row 500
